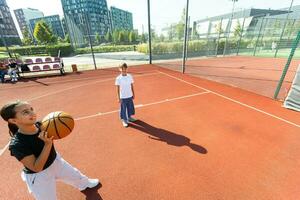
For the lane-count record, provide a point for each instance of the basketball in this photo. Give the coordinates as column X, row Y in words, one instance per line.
column 58, row 124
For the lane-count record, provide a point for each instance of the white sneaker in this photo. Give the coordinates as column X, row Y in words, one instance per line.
column 125, row 124
column 92, row 183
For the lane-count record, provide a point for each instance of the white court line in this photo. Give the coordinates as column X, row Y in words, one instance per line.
column 142, row 105
column 230, row 99
column 94, row 82
column 138, row 106
column 4, row 148
column 85, row 84
column 65, row 81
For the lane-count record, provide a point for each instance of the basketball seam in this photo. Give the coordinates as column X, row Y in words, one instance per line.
column 48, row 125
column 56, row 128
column 64, row 124
column 46, row 120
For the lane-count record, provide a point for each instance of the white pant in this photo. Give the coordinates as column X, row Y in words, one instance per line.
column 42, row 185
column 12, row 73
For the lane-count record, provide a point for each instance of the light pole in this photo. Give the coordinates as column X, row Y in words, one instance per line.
column 229, row 26
column 149, row 31
column 87, row 25
column 185, row 36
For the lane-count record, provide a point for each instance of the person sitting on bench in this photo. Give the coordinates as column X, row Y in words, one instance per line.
column 3, row 71
column 12, row 71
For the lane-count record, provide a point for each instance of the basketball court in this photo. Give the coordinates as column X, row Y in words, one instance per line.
column 195, row 139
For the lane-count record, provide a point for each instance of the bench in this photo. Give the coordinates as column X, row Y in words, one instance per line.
column 40, row 65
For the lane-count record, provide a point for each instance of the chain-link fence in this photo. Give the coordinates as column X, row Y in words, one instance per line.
column 100, row 36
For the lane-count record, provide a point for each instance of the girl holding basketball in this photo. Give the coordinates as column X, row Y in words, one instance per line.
column 35, row 150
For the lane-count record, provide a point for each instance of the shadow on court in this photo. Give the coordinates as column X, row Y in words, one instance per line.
column 166, row 136
column 92, row 193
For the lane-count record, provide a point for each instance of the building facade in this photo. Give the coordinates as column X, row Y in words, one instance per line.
column 120, row 19
column 7, row 27
column 85, row 18
column 24, row 15
column 250, row 18
column 53, row 21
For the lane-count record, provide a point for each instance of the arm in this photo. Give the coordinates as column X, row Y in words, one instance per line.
column 37, row 164
column 132, row 91
column 118, row 93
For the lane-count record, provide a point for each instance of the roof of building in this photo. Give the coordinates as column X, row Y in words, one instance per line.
column 246, row 13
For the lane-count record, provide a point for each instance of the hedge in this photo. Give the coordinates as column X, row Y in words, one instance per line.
column 104, row 49
column 51, row 50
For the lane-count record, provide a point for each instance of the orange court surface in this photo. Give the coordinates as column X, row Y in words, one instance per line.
column 195, row 139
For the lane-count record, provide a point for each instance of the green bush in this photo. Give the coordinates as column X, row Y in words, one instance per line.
column 29, row 50
column 172, row 47
column 52, row 50
column 143, row 48
column 65, row 49
column 104, row 49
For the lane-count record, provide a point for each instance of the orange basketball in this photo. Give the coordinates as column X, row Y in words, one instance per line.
column 58, row 124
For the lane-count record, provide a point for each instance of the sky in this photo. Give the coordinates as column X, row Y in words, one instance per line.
column 163, row 12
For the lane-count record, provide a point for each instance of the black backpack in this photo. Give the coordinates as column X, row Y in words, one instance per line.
column 24, row 68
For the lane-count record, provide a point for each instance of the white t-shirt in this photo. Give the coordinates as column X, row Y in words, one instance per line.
column 125, row 85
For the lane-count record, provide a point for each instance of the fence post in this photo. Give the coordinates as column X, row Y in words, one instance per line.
column 262, row 22
column 294, row 46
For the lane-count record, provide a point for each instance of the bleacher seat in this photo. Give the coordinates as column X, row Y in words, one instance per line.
column 48, row 59
column 38, row 60
column 55, row 66
column 19, row 61
column 36, row 68
column 28, row 61
column 46, row 67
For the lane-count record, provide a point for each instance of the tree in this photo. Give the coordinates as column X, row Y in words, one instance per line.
column 162, row 38
column 121, row 37
column 237, row 29
column 289, row 27
column 218, row 28
column 179, row 28
column 143, row 38
column 115, row 36
column 108, row 37
column 67, row 38
column 153, row 34
column 60, row 40
column 42, row 33
column 98, row 38
column 126, row 36
column 27, row 39
column 132, row 37
column 54, row 39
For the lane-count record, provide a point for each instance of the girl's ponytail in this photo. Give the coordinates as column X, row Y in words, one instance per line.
column 13, row 129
